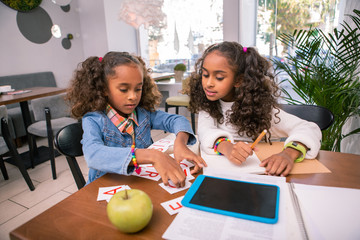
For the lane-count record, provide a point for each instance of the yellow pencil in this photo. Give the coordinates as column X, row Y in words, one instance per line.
column 259, row 138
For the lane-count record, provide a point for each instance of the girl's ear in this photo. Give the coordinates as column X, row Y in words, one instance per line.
column 237, row 83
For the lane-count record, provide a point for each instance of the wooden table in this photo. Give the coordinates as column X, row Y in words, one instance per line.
column 22, row 99
column 80, row 216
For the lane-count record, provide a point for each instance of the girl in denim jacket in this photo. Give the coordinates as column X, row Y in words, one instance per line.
column 116, row 99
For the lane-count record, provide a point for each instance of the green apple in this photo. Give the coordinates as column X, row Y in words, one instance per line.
column 130, row 210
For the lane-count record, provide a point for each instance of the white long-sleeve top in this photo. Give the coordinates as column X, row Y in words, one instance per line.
column 290, row 127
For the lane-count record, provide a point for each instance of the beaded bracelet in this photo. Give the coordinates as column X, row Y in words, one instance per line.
column 217, row 144
column 133, row 158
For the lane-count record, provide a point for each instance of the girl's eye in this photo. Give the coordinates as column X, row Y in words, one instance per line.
column 205, row 75
column 219, row 78
column 123, row 90
column 139, row 89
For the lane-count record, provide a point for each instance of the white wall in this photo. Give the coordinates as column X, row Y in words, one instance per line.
column 120, row 35
column 18, row 55
column 93, row 28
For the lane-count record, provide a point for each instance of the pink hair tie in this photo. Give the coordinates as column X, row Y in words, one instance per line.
column 244, row 49
column 100, row 59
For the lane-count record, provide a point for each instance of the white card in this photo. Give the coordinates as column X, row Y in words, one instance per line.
column 105, row 193
column 186, row 163
column 149, row 173
column 188, row 174
column 162, row 145
column 171, row 188
column 173, row 206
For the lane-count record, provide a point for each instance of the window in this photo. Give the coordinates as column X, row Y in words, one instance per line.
column 284, row 16
column 191, row 26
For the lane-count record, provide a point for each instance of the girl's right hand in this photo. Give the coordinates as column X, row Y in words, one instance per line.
column 169, row 168
column 235, row 152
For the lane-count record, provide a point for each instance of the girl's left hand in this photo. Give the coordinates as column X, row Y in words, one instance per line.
column 279, row 164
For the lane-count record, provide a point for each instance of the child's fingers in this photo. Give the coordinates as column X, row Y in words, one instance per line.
column 287, row 171
column 196, row 169
column 178, row 179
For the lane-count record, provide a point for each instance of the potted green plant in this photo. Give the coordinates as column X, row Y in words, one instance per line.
column 179, row 71
column 325, row 71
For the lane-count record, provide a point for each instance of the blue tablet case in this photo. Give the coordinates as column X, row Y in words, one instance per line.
column 247, row 200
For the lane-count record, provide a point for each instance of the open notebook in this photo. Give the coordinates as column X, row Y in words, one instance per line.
column 221, row 163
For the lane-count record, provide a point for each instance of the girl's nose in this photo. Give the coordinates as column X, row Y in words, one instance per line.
column 132, row 95
column 210, row 82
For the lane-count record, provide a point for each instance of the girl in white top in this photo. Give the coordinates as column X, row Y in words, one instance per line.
column 235, row 94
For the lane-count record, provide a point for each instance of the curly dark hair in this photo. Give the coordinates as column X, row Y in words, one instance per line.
column 254, row 99
column 89, row 85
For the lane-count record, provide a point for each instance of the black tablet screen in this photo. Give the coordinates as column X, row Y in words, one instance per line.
column 235, row 196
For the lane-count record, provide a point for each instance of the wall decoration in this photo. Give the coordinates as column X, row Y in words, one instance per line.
column 35, row 25
column 56, row 31
column 21, row 5
column 65, row 8
column 66, row 43
column 62, row 2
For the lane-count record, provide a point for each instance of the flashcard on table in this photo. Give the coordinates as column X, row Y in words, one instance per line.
column 106, row 193
column 162, row 145
column 171, row 188
column 173, row 206
column 188, row 174
column 148, row 172
column 186, row 163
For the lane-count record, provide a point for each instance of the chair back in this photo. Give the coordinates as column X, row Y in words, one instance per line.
column 68, row 142
column 322, row 116
column 3, row 114
column 56, row 103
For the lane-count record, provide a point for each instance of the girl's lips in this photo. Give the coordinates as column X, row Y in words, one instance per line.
column 130, row 105
column 209, row 93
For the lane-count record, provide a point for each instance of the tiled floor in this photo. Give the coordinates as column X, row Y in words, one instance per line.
column 18, row 204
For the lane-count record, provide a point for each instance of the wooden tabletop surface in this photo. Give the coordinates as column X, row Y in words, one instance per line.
column 35, row 92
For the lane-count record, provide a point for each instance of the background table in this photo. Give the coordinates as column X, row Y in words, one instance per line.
column 80, row 216
column 23, row 98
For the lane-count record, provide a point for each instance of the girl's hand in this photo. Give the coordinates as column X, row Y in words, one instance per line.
column 236, row 153
column 165, row 165
column 181, row 152
column 280, row 164
column 169, row 168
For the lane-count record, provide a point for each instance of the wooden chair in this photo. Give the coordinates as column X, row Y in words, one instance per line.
column 51, row 114
column 322, row 116
column 68, row 142
column 180, row 101
column 7, row 145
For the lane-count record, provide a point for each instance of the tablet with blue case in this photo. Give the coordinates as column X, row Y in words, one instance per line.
column 252, row 201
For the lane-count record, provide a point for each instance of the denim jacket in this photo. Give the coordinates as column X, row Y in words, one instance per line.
column 107, row 150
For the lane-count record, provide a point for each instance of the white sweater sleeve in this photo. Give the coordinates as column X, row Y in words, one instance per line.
column 296, row 129
column 208, row 132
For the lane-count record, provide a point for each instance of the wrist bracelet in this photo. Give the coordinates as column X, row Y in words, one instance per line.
column 217, row 144
column 133, row 158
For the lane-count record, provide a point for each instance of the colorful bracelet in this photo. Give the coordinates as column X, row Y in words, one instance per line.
column 217, row 144
column 133, row 158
